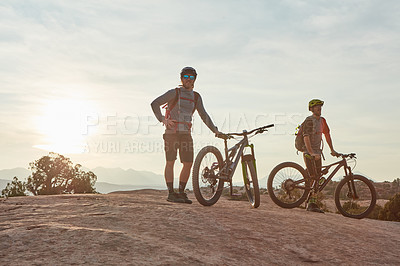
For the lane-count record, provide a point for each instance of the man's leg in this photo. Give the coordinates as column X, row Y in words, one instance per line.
column 184, row 176
column 186, row 155
column 169, row 179
column 170, row 146
column 318, row 164
column 169, row 175
column 313, row 169
column 309, row 165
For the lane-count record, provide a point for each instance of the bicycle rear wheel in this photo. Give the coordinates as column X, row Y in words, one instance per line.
column 287, row 185
column 355, row 198
column 250, row 180
column 207, row 187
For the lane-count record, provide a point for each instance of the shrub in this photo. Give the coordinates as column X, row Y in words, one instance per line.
column 320, row 203
column 263, row 191
column 14, row 189
column 375, row 212
column 391, row 210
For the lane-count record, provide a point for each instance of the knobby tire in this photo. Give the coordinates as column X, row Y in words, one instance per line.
column 279, row 185
column 253, row 192
column 361, row 207
column 214, row 155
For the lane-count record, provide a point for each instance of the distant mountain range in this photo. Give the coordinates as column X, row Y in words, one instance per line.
column 108, row 179
column 116, row 179
column 8, row 174
column 120, row 176
column 104, row 187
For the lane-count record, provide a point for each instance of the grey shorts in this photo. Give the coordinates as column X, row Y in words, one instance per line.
column 178, row 141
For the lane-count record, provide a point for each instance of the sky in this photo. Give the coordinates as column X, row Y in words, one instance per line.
column 78, row 77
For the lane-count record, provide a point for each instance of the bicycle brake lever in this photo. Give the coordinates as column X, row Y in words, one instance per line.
column 261, row 130
column 223, row 136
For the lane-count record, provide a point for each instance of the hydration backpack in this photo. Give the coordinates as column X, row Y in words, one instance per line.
column 170, row 105
column 299, row 140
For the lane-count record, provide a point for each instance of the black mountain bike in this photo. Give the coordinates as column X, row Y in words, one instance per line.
column 211, row 171
column 289, row 185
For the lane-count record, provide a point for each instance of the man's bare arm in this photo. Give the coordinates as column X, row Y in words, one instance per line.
column 330, row 144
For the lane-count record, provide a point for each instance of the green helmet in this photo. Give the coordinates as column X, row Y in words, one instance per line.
column 315, row 102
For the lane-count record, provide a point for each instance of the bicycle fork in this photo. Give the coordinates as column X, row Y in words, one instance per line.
column 245, row 158
column 350, row 184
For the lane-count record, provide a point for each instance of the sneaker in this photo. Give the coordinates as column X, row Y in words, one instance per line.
column 312, row 207
column 173, row 197
column 183, row 195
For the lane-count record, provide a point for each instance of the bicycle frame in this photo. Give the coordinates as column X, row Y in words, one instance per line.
column 289, row 185
column 231, row 162
column 226, row 173
column 325, row 170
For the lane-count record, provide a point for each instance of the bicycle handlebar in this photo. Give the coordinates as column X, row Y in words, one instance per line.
column 230, row 135
column 350, row 155
column 343, row 156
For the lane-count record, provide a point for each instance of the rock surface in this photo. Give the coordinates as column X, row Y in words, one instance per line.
column 141, row 227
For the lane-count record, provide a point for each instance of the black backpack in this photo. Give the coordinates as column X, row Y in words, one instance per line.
column 299, row 140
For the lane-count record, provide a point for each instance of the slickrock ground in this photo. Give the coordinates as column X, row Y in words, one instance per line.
column 141, row 227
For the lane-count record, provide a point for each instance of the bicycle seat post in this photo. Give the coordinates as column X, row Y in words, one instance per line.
column 226, row 149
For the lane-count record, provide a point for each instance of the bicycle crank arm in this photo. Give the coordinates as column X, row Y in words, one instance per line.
column 224, row 178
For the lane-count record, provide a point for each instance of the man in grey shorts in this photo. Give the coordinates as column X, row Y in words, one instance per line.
column 182, row 102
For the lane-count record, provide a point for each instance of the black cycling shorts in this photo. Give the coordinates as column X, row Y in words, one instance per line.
column 182, row 142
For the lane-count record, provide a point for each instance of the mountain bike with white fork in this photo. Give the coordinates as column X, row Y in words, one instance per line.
column 211, row 171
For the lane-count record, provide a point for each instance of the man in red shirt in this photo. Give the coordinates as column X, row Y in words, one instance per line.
column 314, row 126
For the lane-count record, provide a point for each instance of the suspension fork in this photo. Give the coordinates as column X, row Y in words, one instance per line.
column 350, row 183
column 253, row 159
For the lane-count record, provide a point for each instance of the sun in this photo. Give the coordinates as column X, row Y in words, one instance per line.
column 61, row 125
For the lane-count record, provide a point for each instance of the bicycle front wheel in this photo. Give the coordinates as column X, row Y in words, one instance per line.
column 251, row 181
column 287, row 185
column 207, row 187
column 355, row 198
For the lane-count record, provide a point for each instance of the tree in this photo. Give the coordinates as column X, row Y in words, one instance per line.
column 83, row 182
column 391, row 210
column 50, row 174
column 396, row 185
column 16, row 188
column 55, row 174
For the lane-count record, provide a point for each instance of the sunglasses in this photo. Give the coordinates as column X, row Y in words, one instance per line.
column 187, row 76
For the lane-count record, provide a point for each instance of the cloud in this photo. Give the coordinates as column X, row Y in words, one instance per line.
column 253, row 57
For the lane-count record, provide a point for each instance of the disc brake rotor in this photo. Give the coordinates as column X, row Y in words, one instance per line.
column 288, row 185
